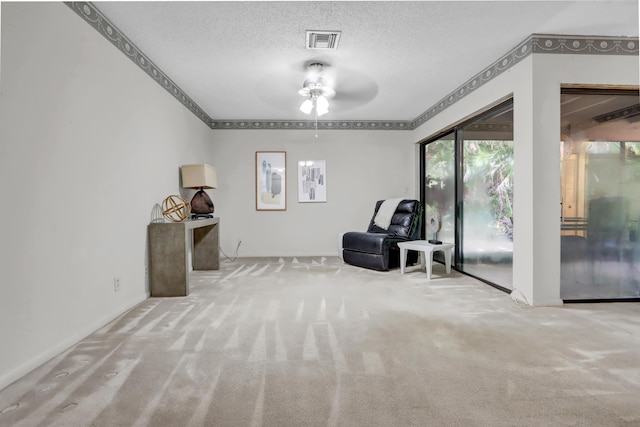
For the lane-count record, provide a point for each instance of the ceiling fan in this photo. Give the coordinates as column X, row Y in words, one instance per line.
column 316, row 90
column 281, row 87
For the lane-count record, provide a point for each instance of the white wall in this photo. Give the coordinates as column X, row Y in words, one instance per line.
column 89, row 143
column 362, row 167
column 535, row 84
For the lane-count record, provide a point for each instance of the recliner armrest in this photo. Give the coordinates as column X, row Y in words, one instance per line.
column 369, row 242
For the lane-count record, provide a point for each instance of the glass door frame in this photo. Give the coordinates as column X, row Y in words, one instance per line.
column 458, row 138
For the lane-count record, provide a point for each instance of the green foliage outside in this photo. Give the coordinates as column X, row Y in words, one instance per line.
column 488, row 182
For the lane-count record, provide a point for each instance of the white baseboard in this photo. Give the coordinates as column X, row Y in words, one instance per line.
column 33, row 363
column 547, row 302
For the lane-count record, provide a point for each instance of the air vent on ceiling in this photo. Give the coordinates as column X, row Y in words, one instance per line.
column 323, row 39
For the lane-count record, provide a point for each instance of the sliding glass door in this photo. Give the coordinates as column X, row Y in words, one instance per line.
column 439, row 188
column 600, row 187
column 486, row 197
column 468, row 180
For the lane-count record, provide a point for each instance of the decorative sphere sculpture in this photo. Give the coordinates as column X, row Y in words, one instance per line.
column 175, row 208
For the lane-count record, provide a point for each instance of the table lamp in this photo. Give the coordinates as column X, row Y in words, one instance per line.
column 199, row 177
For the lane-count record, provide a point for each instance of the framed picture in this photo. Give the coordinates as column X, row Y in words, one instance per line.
column 271, row 181
column 312, row 181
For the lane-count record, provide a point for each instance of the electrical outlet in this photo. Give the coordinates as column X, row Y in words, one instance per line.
column 116, row 284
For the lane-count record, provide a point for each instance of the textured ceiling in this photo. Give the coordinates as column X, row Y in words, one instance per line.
column 246, row 60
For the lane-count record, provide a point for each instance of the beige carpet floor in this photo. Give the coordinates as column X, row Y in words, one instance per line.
column 315, row 342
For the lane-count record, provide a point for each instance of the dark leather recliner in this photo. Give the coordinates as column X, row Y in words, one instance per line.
column 377, row 248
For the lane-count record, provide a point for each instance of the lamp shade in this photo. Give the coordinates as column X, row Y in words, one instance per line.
column 199, row 176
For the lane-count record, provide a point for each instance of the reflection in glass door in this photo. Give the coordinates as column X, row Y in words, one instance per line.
column 600, row 187
column 439, row 188
column 486, row 198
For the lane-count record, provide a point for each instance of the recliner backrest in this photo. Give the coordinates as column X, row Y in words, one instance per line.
column 406, row 220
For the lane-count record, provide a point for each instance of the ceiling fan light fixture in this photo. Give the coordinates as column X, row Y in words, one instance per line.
column 328, row 92
column 322, row 105
column 306, row 106
column 316, row 91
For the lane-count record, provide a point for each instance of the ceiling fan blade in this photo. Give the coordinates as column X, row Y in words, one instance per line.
column 353, row 90
column 279, row 87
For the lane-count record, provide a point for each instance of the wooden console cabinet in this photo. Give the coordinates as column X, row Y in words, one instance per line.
column 169, row 254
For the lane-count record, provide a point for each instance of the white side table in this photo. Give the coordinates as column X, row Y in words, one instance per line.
column 424, row 248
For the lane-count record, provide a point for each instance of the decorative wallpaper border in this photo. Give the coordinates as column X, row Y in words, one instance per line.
column 95, row 18
column 631, row 111
column 516, row 55
column 311, row 124
column 584, row 45
column 536, row 43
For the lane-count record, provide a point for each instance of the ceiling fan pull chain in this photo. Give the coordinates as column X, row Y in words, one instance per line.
column 316, row 122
